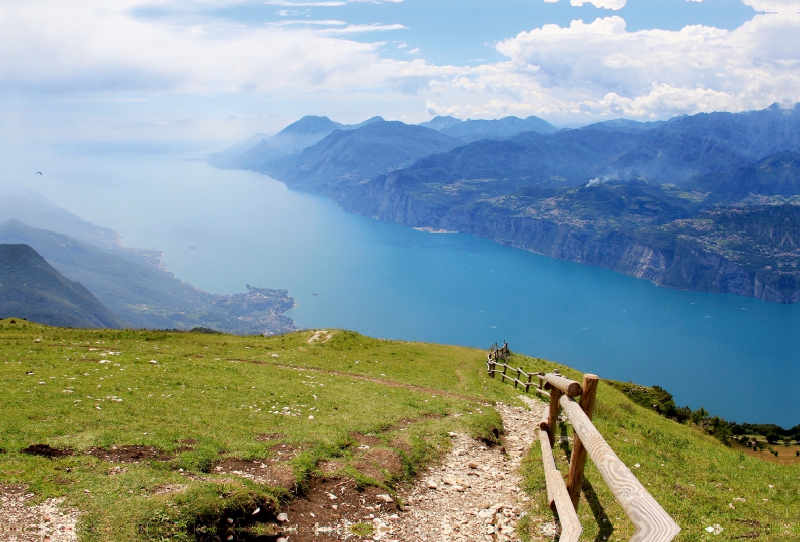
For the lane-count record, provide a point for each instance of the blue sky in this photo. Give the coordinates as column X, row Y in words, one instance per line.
column 465, row 31
column 214, row 71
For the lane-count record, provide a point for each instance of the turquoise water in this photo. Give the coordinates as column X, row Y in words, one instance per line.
column 724, row 352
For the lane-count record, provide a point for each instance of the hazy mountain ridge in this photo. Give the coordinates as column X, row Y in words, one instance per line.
column 45, row 215
column 475, row 130
column 261, row 150
column 149, row 297
column 646, row 199
column 32, row 289
column 347, row 157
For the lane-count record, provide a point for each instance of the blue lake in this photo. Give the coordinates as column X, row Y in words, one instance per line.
column 724, row 352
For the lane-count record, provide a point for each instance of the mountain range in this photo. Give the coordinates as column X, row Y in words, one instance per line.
column 656, row 200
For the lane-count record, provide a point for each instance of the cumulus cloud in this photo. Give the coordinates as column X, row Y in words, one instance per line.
column 94, row 45
column 775, row 6
column 605, row 4
column 601, row 68
column 592, row 68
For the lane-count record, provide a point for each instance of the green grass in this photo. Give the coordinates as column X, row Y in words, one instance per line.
column 691, row 474
column 220, row 390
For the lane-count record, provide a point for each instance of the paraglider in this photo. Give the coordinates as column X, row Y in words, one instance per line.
column 39, row 173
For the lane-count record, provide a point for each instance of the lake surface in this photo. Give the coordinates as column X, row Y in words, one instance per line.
column 735, row 356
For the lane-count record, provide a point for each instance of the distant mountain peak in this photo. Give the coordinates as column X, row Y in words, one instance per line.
column 310, row 124
column 440, row 123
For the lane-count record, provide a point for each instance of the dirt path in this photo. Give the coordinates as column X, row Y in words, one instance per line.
column 45, row 521
column 474, row 495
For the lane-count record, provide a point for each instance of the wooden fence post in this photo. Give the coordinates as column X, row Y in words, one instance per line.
column 578, row 460
column 552, row 418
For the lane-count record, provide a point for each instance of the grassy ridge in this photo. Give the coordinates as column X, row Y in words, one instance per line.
column 222, row 391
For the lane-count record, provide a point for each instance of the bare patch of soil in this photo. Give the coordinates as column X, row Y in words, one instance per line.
column 363, row 439
column 377, row 462
column 45, row 450
column 401, row 444
column 328, row 467
column 388, row 460
column 329, row 509
column 270, row 473
column 285, row 452
column 132, row 453
column 186, row 445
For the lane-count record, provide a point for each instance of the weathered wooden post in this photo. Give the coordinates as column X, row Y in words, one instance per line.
column 552, row 418
column 578, row 461
column 519, row 373
column 528, row 384
column 558, row 386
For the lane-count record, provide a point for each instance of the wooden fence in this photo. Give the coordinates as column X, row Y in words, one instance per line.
column 651, row 522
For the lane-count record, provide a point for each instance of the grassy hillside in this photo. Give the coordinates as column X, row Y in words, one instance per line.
column 196, row 403
column 31, row 288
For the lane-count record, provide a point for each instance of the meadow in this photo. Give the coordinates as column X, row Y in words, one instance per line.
column 140, row 430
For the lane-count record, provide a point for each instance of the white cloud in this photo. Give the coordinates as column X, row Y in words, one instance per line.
column 605, row 4
column 291, row 3
column 600, row 68
column 304, row 4
column 91, row 45
column 57, row 48
column 355, row 28
column 775, row 6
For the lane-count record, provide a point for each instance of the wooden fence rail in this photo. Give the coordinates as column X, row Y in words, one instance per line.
column 651, row 522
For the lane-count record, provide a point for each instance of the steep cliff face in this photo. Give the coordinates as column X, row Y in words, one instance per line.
column 680, row 266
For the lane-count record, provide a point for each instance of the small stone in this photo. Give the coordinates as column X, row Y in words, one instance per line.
column 154, row 362
column 283, row 517
column 230, row 521
column 472, row 465
column 385, row 498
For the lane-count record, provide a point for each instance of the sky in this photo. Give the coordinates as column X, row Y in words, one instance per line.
column 204, row 73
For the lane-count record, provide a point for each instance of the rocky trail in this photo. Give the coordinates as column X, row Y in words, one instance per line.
column 46, row 521
column 474, row 495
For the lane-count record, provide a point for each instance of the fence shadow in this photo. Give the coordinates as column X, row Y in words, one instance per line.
column 600, row 516
column 605, row 527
